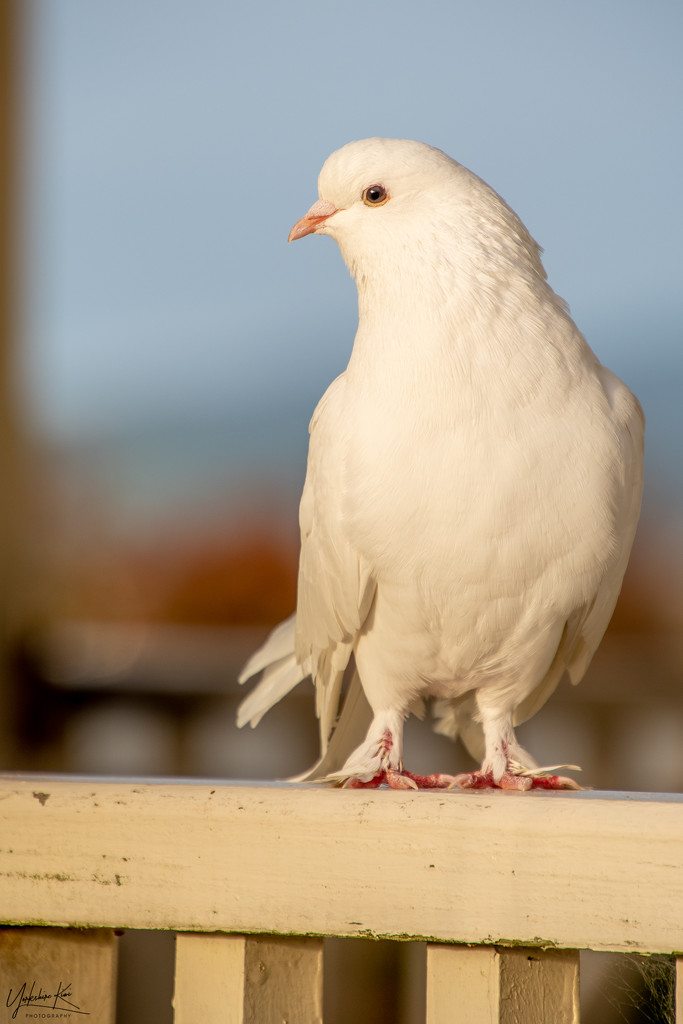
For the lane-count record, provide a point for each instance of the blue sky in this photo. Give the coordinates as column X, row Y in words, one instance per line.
column 171, row 146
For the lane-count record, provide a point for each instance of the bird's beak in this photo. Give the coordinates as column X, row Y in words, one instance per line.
column 318, row 213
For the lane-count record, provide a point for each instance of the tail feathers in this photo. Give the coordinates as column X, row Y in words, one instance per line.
column 281, row 673
column 278, row 645
column 278, row 679
column 457, row 718
column 348, row 734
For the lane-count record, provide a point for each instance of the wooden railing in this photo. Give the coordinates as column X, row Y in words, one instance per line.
column 504, row 888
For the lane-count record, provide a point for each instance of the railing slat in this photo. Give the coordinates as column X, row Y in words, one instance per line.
column 57, row 972
column 485, row 985
column 237, row 979
column 209, row 979
column 462, row 985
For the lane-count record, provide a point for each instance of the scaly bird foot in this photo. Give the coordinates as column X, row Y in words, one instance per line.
column 518, row 778
column 396, row 779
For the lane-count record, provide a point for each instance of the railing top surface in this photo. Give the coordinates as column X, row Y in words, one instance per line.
column 160, row 781
column 588, row 870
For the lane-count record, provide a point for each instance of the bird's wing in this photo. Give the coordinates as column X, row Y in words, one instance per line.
column 631, row 429
column 585, row 627
column 336, row 587
column 335, row 593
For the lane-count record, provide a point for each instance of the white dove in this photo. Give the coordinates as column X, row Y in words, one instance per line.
column 473, row 485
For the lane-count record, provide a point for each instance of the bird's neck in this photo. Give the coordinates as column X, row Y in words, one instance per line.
column 457, row 339
column 408, row 322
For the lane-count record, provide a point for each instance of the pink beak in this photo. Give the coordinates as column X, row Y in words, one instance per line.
column 318, row 213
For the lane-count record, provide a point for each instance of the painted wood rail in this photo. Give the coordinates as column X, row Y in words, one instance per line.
column 504, row 888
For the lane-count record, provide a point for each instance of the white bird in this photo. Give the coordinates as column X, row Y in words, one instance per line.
column 473, row 485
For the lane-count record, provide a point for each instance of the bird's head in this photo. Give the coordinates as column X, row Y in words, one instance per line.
column 403, row 206
column 376, row 193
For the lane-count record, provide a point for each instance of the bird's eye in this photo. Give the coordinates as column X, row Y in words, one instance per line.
column 375, row 195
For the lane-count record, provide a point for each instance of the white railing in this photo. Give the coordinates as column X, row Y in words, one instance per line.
column 504, row 888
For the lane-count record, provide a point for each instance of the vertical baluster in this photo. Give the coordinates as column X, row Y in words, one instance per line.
column 57, row 972
column 238, row 979
column 485, row 985
column 462, row 985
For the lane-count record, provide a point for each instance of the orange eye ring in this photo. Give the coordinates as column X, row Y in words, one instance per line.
column 375, row 195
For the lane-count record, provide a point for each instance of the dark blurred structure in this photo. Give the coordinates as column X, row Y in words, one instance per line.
column 16, row 538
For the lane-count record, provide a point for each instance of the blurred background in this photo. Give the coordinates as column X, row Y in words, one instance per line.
column 162, row 350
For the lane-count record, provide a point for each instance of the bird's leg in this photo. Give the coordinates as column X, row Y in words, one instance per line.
column 379, row 760
column 507, row 765
column 388, row 752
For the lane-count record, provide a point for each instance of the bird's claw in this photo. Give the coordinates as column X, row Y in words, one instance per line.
column 516, row 778
column 400, row 779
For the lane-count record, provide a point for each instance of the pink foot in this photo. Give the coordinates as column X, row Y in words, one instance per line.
column 512, row 780
column 402, row 780
column 438, row 781
column 554, row 782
